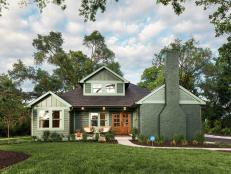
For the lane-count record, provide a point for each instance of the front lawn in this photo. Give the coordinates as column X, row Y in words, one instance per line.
column 70, row 157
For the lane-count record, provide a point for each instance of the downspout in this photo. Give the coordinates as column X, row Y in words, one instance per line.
column 162, row 109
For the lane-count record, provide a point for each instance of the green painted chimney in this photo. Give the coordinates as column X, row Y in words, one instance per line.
column 172, row 118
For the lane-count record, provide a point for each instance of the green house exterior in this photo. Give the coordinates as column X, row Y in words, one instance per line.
column 103, row 99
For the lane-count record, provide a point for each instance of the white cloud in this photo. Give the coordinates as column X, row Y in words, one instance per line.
column 133, row 29
column 151, row 30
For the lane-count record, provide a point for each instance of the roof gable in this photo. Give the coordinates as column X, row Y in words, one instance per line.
column 104, row 74
column 53, row 95
column 158, row 96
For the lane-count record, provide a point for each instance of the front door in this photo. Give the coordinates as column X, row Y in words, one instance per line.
column 121, row 123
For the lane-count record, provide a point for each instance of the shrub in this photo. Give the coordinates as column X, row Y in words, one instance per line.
column 217, row 127
column 46, row 135
column 178, row 138
column 194, row 142
column 142, row 139
column 173, row 142
column 226, row 131
column 96, row 136
column 184, row 142
column 72, row 137
column 159, row 140
column 110, row 136
column 134, row 133
column 84, row 136
column 200, row 138
column 206, row 126
column 34, row 138
column 55, row 137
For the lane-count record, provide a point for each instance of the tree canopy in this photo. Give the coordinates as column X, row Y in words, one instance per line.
column 69, row 67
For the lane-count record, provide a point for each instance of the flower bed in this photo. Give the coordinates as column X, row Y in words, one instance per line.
column 9, row 158
column 189, row 144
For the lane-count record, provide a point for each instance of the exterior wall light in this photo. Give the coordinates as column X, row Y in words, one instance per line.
column 125, row 108
column 104, row 108
column 82, row 108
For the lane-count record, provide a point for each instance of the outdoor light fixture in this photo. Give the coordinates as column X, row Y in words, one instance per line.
column 103, row 108
column 125, row 108
column 82, row 108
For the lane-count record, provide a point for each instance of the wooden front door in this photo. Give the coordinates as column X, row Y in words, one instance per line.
column 121, row 123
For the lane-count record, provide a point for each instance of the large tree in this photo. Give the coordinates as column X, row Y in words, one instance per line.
column 193, row 61
column 12, row 111
column 69, row 67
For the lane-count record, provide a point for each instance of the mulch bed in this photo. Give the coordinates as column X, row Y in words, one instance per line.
column 168, row 144
column 10, row 158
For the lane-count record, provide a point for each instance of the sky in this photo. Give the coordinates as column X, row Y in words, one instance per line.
column 133, row 29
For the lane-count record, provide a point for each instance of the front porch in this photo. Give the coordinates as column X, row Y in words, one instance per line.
column 121, row 121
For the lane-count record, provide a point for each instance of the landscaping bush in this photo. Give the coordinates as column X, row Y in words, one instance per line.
column 96, row 136
column 46, row 135
column 226, row 131
column 134, row 133
column 84, row 136
column 159, row 140
column 178, row 139
column 200, row 138
column 207, row 126
column 142, row 139
column 110, row 136
column 72, row 137
column 217, row 127
column 55, row 137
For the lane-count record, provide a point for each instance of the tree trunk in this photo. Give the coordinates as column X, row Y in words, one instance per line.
column 8, row 133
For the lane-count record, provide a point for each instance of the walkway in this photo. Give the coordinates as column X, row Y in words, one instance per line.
column 124, row 140
column 220, row 139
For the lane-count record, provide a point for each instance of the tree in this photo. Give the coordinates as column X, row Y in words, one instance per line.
column 70, row 67
column 152, row 77
column 193, row 61
column 12, row 110
column 217, row 88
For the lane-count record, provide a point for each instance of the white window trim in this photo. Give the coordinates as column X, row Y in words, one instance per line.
column 50, row 119
column 98, row 113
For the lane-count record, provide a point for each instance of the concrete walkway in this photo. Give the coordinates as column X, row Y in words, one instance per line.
column 124, row 140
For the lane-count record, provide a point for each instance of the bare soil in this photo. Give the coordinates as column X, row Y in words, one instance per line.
column 10, row 158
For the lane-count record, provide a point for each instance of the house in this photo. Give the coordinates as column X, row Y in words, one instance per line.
column 103, row 98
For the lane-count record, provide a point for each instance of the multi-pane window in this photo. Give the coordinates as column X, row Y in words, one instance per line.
column 56, row 119
column 94, row 119
column 116, row 120
column 97, row 88
column 44, row 119
column 98, row 119
column 102, row 119
column 110, row 88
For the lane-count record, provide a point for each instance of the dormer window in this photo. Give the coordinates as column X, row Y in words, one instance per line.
column 97, row 88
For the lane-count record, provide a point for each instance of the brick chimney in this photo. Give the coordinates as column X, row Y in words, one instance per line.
column 172, row 118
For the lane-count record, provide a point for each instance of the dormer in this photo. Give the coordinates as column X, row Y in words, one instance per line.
column 104, row 82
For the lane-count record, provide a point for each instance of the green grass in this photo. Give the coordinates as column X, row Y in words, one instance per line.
column 108, row 158
column 19, row 139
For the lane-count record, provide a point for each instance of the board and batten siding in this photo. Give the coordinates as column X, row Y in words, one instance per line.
column 50, row 103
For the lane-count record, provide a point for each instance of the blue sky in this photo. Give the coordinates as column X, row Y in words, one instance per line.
column 133, row 29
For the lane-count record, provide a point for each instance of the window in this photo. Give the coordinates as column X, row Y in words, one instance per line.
column 116, row 120
column 44, row 119
column 102, row 119
column 94, row 119
column 98, row 119
column 97, row 88
column 55, row 119
column 110, row 88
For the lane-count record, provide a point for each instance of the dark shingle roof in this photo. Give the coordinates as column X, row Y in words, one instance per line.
column 133, row 94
